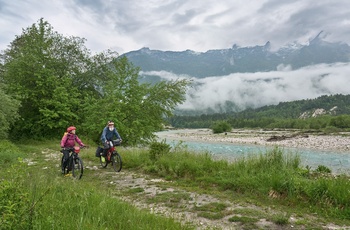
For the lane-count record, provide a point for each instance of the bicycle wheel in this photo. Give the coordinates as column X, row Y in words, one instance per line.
column 77, row 169
column 116, row 162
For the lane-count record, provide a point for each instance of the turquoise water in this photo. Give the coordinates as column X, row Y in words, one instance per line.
column 338, row 162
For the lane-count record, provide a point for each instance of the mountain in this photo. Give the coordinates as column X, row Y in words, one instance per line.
column 240, row 59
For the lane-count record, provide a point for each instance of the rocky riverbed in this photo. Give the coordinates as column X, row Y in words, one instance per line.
column 283, row 138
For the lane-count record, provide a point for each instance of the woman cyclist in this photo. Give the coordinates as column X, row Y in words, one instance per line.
column 68, row 141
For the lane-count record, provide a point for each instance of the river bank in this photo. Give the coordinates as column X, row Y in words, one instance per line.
column 284, row 138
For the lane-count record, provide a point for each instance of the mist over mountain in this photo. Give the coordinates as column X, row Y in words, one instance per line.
column 238, row 78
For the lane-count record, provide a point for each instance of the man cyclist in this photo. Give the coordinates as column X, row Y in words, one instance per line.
column 108, row 134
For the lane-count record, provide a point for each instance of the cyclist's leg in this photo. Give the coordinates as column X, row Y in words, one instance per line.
column 105, row 149
column 65, row 159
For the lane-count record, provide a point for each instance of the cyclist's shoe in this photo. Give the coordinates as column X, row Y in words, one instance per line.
column 68, row 174
column 103, row 159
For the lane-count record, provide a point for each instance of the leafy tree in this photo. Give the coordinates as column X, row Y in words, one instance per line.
column 46, row 72
column 137, row 109
column 8, row 112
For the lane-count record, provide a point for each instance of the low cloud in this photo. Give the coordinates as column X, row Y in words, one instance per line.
column 253, row 90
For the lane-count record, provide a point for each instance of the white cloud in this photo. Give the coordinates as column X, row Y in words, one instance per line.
column 265, row 88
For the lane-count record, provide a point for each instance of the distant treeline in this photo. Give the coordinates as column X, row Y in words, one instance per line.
column 336, row 109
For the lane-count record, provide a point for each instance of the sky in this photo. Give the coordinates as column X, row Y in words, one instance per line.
column 201, row 25
column 178, row 25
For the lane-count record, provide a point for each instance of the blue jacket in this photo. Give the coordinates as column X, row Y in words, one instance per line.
column 108, row 135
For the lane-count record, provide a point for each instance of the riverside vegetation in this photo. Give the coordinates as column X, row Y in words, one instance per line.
column 270, row 186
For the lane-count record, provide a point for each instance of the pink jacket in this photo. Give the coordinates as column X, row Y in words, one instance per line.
column 68, row 141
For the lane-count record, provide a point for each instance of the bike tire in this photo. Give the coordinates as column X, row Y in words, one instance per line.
column 116, row 162
column 78, row 168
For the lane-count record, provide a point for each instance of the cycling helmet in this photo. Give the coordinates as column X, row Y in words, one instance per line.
column 70, row 128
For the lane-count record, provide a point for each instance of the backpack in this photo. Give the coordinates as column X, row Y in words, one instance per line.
column 65, row 134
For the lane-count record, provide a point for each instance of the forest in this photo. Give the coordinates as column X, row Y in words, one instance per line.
column 293, row 115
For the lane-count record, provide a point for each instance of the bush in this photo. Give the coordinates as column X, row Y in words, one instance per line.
column 9, row 152
column 221, row 126
column 158, row 149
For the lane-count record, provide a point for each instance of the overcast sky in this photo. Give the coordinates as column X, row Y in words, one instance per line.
column 177, row 25
column 201, row 25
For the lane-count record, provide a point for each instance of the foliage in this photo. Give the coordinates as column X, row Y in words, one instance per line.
column 283, row 115
column 44, row 70
column 13, row 205
column 14, row 199
column 158, row 149
column 221, row 126
column 59, row 83
column 8, row 112
column 137, row 109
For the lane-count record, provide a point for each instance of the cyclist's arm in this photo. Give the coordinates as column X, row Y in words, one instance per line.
column 77, row 139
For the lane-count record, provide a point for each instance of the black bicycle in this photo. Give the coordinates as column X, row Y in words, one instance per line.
column 75, row 164
column 113, row 156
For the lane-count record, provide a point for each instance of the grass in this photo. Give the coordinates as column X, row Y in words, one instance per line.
column 33, row 194
column 37, row 197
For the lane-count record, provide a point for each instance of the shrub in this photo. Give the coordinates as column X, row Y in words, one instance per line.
column 158, row 149
column 221, row 126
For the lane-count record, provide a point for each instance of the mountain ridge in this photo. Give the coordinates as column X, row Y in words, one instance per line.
column 220, row 62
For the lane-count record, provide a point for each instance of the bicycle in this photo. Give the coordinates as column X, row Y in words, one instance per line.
column 74, row 164
column 113, row 156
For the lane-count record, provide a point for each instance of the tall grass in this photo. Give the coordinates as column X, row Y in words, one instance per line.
column 37, row 197
column 273, row 175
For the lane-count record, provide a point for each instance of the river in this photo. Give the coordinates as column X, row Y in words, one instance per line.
column 338, row 162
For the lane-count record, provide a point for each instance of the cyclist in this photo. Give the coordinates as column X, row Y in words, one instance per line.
column 108, row 133
column 68, row 141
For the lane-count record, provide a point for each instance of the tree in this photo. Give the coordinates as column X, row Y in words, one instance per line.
column 46, row 72
column 8, row 112
column 137, row 109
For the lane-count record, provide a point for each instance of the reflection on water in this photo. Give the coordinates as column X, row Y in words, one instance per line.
column 338, row 162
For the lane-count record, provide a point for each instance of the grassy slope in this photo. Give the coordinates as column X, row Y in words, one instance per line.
column 38, row 196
